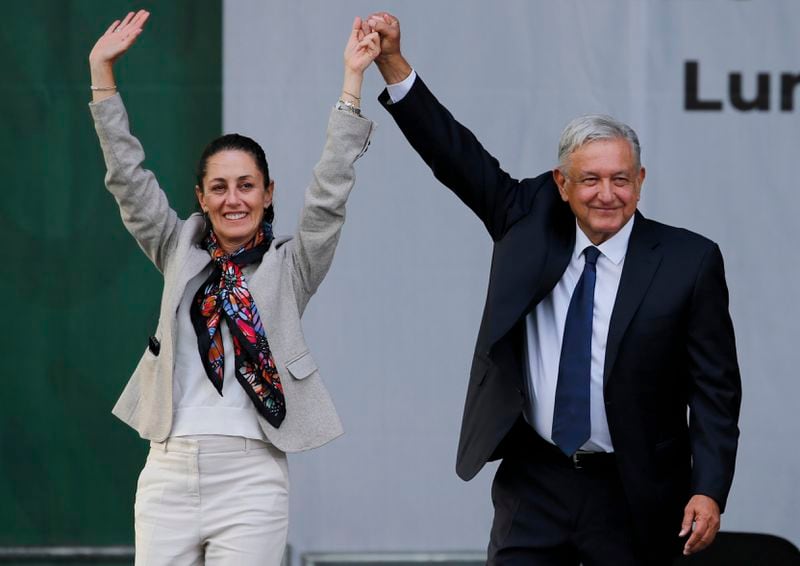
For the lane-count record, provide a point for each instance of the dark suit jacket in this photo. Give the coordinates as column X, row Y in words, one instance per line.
column 670, row 343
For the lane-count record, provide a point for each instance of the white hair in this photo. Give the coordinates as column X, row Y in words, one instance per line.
column 592, row 127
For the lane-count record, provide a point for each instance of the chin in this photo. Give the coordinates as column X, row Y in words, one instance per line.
column 608, row 227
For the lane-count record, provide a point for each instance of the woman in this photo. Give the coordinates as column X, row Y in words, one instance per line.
column 226, row 385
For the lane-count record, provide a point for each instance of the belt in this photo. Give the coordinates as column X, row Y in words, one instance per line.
column 529, row 443
column 582, row 460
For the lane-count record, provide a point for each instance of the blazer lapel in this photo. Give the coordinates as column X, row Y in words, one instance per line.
column 263, row 283
column 641, row 262
column 195, row 261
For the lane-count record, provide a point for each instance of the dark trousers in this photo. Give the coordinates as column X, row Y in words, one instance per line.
column 547, row 512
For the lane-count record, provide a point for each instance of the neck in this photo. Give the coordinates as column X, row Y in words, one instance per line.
column 230, row 246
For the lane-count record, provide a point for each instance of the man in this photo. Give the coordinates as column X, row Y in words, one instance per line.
column 600, row 329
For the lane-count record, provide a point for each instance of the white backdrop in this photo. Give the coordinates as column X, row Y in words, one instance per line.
column 394, row 324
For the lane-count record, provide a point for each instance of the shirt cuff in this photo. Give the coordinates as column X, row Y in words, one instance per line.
column 398, row 91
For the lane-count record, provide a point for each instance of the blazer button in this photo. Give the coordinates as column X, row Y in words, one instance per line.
column 154, row 345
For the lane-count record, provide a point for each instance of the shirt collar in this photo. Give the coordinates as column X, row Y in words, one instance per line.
column 614, row 248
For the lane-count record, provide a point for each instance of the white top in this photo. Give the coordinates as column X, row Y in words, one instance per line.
column 545, row 325
column 197, row 406
column 545, row 331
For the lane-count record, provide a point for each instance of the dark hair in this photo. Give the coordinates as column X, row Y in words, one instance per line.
column 233, row 142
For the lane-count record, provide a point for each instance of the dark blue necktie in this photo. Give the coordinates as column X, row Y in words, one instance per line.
column 572, row 426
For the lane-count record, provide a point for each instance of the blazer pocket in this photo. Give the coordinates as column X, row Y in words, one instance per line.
column 302, row 366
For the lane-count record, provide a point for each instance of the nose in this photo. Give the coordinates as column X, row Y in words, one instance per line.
column 232, row 197
column 605, row 190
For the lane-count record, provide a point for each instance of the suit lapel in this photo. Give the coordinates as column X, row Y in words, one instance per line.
column 641, row 262
column 528, row 263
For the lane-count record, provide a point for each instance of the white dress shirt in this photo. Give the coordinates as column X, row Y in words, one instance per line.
column 398, row 90
column 545, row 325
column 545, row 331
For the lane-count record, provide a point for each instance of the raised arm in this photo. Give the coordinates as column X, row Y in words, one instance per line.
column 452, row 152
column 347, row 139
column 118, row 38
column 143, row 205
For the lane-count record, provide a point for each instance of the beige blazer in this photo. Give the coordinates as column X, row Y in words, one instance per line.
column 289, row 274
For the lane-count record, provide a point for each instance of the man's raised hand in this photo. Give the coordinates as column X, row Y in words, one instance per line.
column 391, row 62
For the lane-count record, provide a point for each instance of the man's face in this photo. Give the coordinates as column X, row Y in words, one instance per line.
column 602, row 184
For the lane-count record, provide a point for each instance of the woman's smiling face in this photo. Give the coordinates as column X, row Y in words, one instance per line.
column 234, row 196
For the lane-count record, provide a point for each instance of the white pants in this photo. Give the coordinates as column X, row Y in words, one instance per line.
column 216, row 500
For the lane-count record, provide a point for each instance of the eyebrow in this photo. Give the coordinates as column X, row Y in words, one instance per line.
column 595, row 174
column 241, row 178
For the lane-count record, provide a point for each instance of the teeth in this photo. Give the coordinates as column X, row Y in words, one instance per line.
column 235, row 215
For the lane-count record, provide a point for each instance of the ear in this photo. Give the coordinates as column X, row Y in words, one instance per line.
column 200, row 198
column 642, row 174
column 268, row 192
column 561, row 181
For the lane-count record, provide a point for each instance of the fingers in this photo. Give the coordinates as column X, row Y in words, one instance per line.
column 141, row 18
column 705, row 531
column 370, row 40
column 703, row 512
column 707, row 538
column 112, row 27
column 379, row 25
column 686, row 524
column 700, row 528
column 385, row 16
column 132, row 22
column 372, row 36
column 127, row 19
column 356, row 31
column 118, row 38
column 131, row 37
column 359, row 56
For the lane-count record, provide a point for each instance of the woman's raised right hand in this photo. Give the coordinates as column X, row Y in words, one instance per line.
column 118, row 38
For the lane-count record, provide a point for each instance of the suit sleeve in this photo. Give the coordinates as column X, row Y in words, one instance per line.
column 715, row 385
column 456, row 157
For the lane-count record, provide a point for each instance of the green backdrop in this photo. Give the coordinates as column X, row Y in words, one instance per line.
column 79, row 297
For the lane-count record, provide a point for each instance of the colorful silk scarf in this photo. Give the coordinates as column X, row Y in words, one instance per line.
column 224, row 295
